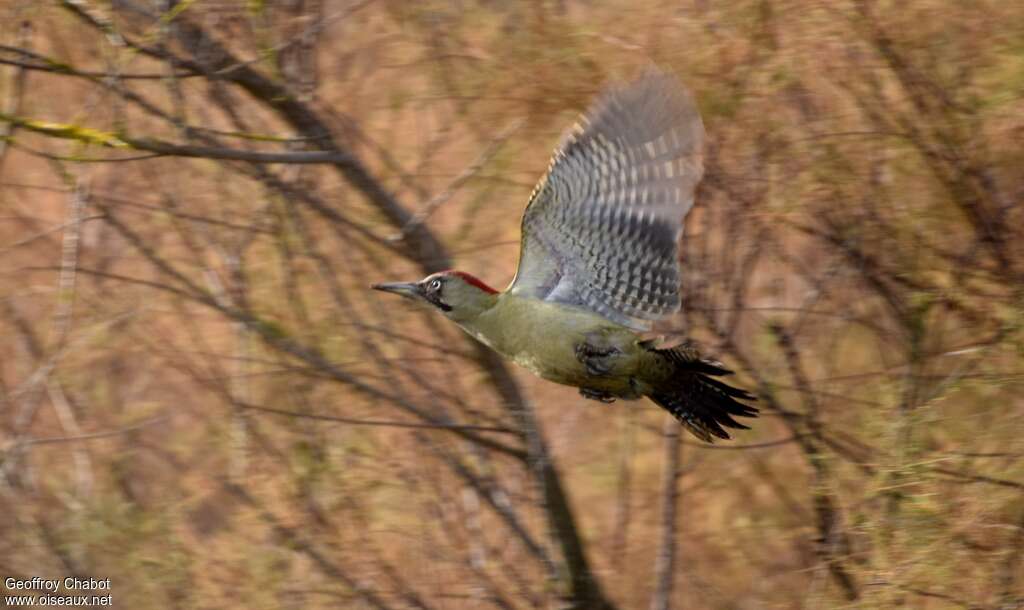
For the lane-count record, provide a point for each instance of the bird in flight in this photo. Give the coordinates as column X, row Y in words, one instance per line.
column 599, row 263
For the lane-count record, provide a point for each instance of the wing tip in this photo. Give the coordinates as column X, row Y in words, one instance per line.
column 664, row 102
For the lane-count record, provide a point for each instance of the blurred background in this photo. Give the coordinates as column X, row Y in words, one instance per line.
column 201, row 400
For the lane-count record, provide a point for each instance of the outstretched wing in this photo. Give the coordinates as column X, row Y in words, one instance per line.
column 602, row 227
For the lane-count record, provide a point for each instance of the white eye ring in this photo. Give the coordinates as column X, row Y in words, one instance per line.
column 435, row 285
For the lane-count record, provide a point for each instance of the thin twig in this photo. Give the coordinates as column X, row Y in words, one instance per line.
column 91, row 436
column 435, row 202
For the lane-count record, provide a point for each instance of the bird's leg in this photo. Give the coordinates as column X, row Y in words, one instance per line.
column 597, row 360
column 597, row 395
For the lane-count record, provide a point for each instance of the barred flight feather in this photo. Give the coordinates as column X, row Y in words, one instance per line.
column 602, row 227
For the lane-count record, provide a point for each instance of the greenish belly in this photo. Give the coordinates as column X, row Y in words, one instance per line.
column 542, row 337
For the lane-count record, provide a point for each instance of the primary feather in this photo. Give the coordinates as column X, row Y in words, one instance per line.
column 602, row 227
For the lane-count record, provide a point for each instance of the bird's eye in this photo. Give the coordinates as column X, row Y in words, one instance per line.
column 435, row 285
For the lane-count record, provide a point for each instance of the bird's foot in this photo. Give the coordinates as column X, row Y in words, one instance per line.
column 598, row 361
column 598, row 395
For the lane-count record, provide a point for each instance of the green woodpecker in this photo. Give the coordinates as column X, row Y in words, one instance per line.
column 599, row 263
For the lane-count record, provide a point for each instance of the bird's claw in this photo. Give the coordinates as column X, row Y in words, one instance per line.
column 597, row 395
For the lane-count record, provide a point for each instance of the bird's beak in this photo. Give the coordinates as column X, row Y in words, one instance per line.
column 409, row 290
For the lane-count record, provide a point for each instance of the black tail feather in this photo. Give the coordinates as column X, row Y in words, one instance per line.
column 704, row 405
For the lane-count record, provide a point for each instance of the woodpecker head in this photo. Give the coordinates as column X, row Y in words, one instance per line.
column 458, row 295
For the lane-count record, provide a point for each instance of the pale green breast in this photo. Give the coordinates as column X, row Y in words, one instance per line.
column 542, row 337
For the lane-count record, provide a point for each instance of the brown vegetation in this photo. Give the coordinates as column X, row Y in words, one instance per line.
column 200, row 399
